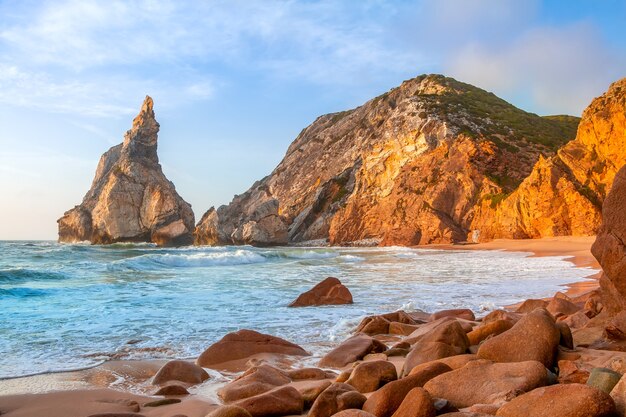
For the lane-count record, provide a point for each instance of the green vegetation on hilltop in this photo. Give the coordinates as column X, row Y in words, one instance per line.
column 493, row 118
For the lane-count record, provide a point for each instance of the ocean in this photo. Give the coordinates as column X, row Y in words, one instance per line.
column 66, row 306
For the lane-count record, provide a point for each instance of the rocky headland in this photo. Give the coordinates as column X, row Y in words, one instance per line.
column 130, row 199
column 433, row 161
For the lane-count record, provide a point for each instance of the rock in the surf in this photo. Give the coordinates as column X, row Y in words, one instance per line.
column 328, row 292
column 178, row 370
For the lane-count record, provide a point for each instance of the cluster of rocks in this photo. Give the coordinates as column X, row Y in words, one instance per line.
column 521, row 363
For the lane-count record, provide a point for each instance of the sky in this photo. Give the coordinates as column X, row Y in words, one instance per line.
column 234, row 82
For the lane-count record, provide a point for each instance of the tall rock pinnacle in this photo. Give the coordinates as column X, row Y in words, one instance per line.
column 130, row 199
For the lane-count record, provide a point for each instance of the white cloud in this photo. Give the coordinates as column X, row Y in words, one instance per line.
column 558, row 69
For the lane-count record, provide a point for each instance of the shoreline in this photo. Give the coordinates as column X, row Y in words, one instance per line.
column 574, row 249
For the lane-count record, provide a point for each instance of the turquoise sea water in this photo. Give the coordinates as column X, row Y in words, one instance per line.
column 70, row 306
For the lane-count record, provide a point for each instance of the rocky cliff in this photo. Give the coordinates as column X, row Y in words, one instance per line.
column 408, row 167
column 563, row 195
column 610, row 245
column 130, row 199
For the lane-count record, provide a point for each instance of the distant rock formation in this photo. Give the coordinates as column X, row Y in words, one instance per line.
column 130, row 199
column 408, row 167
column 610, row 246
column 564, row 194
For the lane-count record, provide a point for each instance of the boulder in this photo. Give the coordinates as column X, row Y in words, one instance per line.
column 427, row 352
column 310, row 392
column 566, row 339
column 534, row 337
column 369, row 376
column 492, row 328
column 561, row 306
column 417, row 403
column 501, row 315
column 373, row 325
column 172, row 389
column 451, row 333
column 335, row 398
column 229, row 411
column 385, row 401
column 245, row 343
column 454, row 362
column 569, row 400
column 309, row 373
column 616, row 327
column 254, row 381
column 281, row 401
column 531, row 305
column 486, row 382
column 571, row 373
column 401, row 328
column 178, row 370
column 603, row 379
column 576, row 321
column 618, row 393
column 351, row 350
column 459, row 313
column 609, row 247
column 328, row 292
column 130, row 199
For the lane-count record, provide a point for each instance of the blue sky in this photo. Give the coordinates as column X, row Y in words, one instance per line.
column 234, row 82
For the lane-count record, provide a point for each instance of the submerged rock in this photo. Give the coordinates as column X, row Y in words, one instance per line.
column 130, row 199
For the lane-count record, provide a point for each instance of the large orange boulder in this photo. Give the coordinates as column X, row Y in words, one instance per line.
column 254, row 381
column 281, row 401
column 486, row 382
column 369, row 376
column 385, row 401
column 336, row 398
column 569, row 400
column 328, row 292
column 351, row 350
column 245, row 343
column 417, row 403
column 610, row 245
column 534, row 338
column 178, row 370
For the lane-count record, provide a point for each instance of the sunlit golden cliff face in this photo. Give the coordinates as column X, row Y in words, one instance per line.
column 563, row 195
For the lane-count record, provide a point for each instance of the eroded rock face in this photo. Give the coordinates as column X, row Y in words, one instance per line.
column 564, row 194
column 130, row 199
column 408, row 167
column 610, row 245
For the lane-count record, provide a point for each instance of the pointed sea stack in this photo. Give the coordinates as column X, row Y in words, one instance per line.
column 130, row 199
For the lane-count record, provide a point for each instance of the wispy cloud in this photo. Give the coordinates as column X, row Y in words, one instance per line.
column 89, row 57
